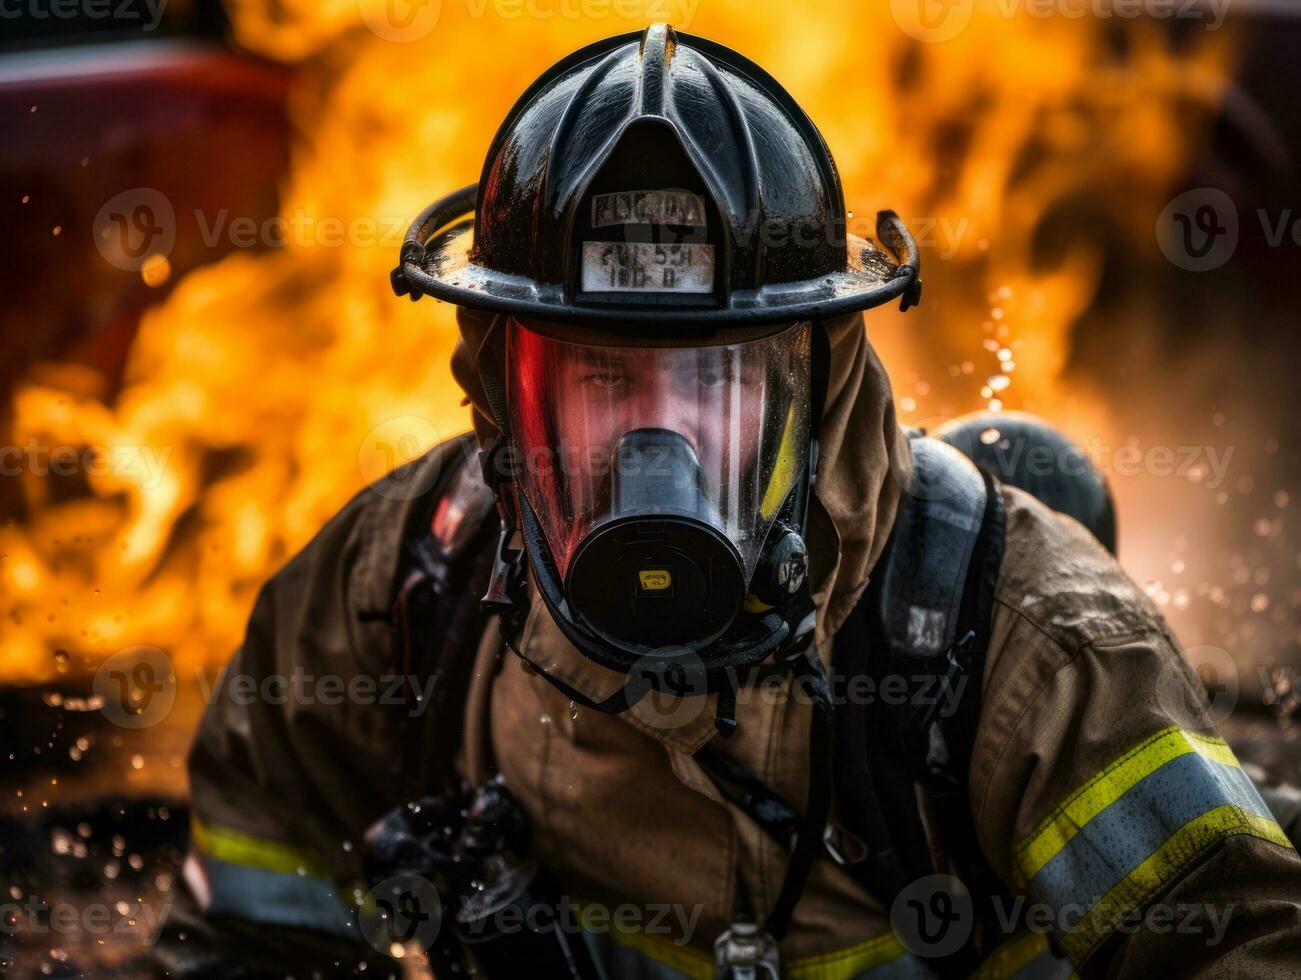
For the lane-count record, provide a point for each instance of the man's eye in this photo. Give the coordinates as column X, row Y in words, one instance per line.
column 714, row 377
column 603, row 379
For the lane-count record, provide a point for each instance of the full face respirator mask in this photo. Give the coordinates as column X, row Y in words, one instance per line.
column 662, row 492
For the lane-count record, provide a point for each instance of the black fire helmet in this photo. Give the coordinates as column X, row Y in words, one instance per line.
column 656, row 180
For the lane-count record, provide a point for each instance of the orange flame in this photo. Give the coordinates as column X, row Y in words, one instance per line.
column 270, row 385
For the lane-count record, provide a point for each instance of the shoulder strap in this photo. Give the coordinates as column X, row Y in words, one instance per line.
column 931, row 601
column 922, row 631
column 437, row 617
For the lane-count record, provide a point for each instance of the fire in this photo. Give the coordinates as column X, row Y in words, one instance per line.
column 270, row 386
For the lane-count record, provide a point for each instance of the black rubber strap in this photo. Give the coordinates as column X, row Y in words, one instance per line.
column 777, row 818
column 867, row 762
column 809, row 674
column 616, row 703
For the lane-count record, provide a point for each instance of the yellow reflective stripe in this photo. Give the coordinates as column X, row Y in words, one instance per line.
column 1011, row 956
column 783, row 471
column 1039, row 847
column 846, row 963
column 1168, row 862
column 685, row 959
column 842, row 964
column 235, row 847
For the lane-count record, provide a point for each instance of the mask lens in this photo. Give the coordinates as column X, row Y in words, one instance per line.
column 656, row 473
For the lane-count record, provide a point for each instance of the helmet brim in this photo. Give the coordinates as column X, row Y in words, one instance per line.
column 437, row 261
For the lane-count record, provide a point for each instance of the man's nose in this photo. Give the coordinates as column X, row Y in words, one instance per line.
column 667, row 405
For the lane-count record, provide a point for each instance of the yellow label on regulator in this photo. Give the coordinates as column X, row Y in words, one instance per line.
column 655, row 579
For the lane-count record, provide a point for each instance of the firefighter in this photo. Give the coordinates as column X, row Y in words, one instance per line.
column 795, row 692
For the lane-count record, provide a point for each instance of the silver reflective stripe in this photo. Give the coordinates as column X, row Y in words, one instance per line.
column 275, row 897
column 1131, row 829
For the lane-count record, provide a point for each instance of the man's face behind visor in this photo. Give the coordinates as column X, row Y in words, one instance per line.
column 716, row 435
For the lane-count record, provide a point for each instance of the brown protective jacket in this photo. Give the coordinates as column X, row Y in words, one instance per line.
column 1099, row 790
